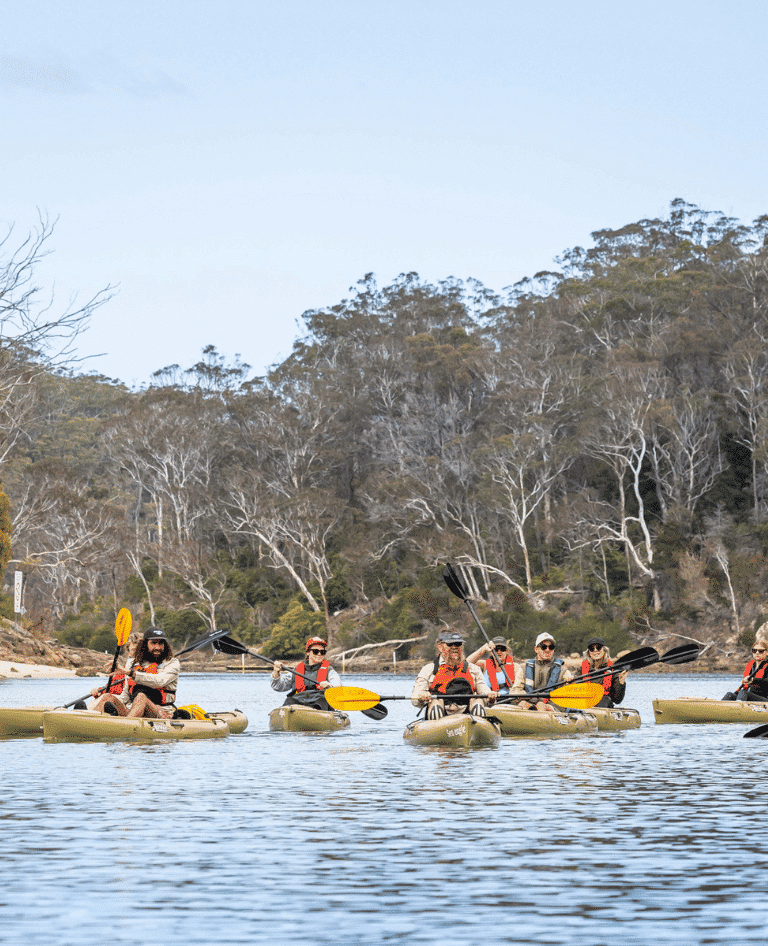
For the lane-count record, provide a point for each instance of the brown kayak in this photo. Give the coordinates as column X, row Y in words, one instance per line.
column 521, row 722
column 19, row 721
column 88, row 726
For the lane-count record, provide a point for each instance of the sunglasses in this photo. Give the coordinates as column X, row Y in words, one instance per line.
column 595, row 647
column 500, row 650
column 319, row 652
column 546, row 646
column 758, row 650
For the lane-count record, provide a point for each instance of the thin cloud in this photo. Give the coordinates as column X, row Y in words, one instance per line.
column 43, row 75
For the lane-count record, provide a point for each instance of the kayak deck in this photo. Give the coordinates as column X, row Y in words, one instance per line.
column 616, row 718
column 299, row 718
column 28, row 720
column 521, row 722
column 689, row 709
column 85, row 725
column 457, row 731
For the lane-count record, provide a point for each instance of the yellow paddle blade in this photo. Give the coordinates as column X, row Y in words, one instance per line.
column 123, row 626
column 351, row 698
column 578, row 695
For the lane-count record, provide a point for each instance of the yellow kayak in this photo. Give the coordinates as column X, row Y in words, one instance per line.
column 299, row 718
column 19, row 721
column 521, row 722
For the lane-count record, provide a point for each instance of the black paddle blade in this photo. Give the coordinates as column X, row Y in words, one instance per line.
column 210, row 638
column 760, row 731
column 683, row 654
column 228, row 645
column 379, row 711
column 454, row 582
column 636, row 659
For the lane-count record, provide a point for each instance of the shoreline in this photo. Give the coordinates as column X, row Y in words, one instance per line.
column 15, row 670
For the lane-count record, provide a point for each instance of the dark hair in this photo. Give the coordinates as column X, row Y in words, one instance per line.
column 142, row 652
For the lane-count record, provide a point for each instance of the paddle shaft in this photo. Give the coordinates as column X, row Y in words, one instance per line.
column 454, row 584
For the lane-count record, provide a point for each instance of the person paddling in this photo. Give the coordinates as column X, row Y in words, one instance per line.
column 151, row 681
column 754, row 683
column 316, row 675
column 596, row 657
column 498, row 666
column 451, row 674
column 544, row 670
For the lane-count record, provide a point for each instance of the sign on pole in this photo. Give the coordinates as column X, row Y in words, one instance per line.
column 18, row 586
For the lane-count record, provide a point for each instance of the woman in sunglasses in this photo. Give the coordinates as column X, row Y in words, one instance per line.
column 544, row 670
column 316, row 675
column 754, row 684
column 596, row 657
column 498, row 666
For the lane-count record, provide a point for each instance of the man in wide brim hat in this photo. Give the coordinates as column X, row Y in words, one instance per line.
column 451, row 674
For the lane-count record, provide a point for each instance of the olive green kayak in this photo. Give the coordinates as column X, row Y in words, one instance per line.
column 457, row 731
column 299, row 718
column 521, row 722
column 85, row 725
column 699, row 710
column 22, row 720
column 615, row 719
column 19, row 721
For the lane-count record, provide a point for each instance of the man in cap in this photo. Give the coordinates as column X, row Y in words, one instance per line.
column 451, row 674
column 151, row 678
column 544, row 670
column 316, row 675
column 498, row 667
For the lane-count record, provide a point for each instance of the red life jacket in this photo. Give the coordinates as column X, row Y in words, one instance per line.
column 300, row 684
column 158, row 696
column 118, row 682
column 445, row 674
column 496, row 676
column 607, row 677
column 759, row 687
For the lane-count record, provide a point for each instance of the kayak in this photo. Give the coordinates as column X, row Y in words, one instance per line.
column 86, row 725
column 691, row 709
column 457, row 731
column 521, row 722
column 299, row 718
column 616, row 718
column 19, row 721
column 22, row 720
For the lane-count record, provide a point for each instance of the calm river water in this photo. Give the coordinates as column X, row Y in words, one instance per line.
column 648, row 837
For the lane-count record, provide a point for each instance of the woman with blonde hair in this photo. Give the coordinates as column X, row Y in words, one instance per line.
column 596, row 657
column 754, row 682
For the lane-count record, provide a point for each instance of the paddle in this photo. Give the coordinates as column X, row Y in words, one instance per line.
column 123, row 625
column 644, row 657
column 457, row 588
column 759, row 731
column 570, row 696
column 228, row 645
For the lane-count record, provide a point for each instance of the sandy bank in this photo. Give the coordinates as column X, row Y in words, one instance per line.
column 14, row 670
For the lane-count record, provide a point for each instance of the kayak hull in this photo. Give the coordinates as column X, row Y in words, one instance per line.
column 520, row 722
column 22, row 720
column 456, row 731
column 299, row 718
column 700, row 710
column 87, row 726
column 28, row 720
column 615, row 719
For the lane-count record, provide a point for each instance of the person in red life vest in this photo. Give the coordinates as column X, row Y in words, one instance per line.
column 118, row 677
column 316, row 675
column 754, row 683
column 596, row 657
column 150, row 682
column 451, row 674
column 498, row 666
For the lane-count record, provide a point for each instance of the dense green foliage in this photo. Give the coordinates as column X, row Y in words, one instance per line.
column 590, row 448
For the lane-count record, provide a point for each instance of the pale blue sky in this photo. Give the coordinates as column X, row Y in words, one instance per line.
column 231, row 164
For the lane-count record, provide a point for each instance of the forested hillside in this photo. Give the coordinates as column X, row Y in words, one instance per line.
column 590, row 445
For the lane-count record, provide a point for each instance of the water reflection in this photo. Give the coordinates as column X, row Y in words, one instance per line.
column 358, row 838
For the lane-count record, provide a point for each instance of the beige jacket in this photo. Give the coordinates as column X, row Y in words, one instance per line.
column 426, row 676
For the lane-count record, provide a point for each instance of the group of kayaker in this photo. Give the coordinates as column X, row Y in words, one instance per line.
column 454, row 683
column 146, row 685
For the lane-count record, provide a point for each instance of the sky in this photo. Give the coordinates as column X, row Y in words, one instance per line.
column 229, row 165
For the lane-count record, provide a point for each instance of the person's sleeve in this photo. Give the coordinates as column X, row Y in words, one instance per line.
column 333, row 678
column 481, row 687
column 421, row 685
column 161, row 679
column 618, row 689
column 283, row 683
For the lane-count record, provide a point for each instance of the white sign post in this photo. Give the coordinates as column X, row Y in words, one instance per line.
column 18, row 589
